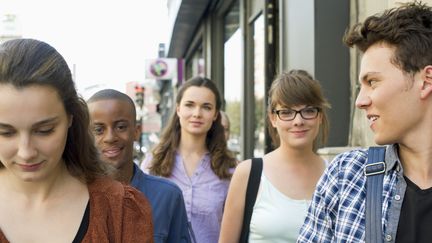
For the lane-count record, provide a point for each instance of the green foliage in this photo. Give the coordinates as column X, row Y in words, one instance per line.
column 259, row 114
column 233, row 110
column 259, row 124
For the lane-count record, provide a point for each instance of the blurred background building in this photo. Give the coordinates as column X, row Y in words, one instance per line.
column 243, row 44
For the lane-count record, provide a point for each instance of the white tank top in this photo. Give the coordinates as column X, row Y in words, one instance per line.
column 276, row 217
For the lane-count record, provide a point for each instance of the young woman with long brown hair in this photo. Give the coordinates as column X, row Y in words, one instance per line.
column 53, row 187
column 192, row 153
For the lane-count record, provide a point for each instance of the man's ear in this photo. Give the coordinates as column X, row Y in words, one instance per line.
column 137, row 132
column 426, row 88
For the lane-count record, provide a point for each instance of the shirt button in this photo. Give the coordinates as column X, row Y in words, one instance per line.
column 397, row 197
column 388, row 238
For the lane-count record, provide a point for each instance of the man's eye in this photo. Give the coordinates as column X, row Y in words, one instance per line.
column 98, row 130
column 121, row 127
column 372, row 82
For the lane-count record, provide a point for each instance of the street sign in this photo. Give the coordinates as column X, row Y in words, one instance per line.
column 161, row 68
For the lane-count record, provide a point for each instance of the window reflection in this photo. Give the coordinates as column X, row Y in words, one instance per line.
column 233, row 75
column 259, row 85
column 195, row 65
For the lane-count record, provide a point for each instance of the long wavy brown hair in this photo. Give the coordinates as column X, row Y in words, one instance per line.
column 29, row 62
column 164, row 153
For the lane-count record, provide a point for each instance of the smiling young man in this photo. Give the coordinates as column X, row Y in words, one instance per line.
column 113, row 118
column 396, row 95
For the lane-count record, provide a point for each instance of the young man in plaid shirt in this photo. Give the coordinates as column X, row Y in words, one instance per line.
column 396, row 95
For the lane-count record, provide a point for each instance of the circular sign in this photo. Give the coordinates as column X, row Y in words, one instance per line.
column 159, row 68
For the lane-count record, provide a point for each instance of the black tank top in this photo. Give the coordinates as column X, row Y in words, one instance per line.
column 83, row 226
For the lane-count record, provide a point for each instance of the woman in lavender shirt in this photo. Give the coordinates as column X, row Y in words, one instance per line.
column 192, row 153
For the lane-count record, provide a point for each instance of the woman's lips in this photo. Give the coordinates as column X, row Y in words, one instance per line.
column 30, row 167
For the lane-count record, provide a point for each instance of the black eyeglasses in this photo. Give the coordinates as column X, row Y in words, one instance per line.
column 307, row 113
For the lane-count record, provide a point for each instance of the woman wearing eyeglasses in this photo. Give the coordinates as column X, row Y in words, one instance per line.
column 299, row 125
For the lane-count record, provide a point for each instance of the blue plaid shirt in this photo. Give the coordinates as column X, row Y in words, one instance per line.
column 337, row 210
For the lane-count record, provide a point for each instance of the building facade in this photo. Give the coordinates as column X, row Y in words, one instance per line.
column 242, row 45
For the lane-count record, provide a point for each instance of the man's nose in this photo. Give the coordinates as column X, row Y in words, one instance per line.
column 363, row 100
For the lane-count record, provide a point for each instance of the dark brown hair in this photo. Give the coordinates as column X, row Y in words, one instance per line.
column 407, row 28
column 297, row 87
column 27, row 62
column 164, row 153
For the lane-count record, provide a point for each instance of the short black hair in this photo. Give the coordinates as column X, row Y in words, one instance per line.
column 112, row 94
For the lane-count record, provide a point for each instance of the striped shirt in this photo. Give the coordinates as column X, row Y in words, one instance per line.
column 337, row 211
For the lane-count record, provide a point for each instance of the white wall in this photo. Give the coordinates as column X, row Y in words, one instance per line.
column 297, row 35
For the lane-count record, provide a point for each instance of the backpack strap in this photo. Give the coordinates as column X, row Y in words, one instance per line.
column 251, row 194
column 374, row 172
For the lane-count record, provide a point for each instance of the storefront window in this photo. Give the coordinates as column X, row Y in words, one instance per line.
column 195, row 65
column 259, row 85
column 233, row 75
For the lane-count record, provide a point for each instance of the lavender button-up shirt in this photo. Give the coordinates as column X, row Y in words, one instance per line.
column 204, row 195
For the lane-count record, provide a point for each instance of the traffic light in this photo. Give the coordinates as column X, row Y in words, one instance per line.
column 139, row 95
column 158, row 108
